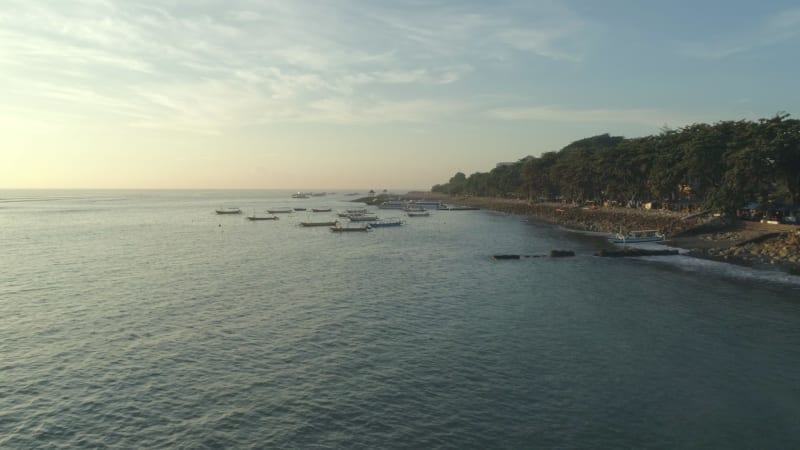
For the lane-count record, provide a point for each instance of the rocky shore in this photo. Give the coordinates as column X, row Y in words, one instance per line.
column 766, row 246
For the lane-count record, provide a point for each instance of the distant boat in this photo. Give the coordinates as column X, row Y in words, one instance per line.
column 363, row 218
column 232, row 210
column 426, row 204
column 300, row 195
column 257, row 217
column 280, row 210
column 340, row 229
column 353, row 212
column 319, row 224
column 419, row 213
column 637, row 237
column 299, row 209
column 393, row 222
column 393, row 204
column 321, row 209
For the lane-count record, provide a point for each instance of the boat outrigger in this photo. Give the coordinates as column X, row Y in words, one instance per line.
column 638, row 236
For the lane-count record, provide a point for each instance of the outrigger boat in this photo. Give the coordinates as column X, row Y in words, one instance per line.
column 257, row 217
column 381, row 223
column 418, row 213
column 638, row 236
column 340, row 229
column 319, row 224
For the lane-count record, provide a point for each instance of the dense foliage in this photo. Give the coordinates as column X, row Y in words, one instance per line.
column 721, row 166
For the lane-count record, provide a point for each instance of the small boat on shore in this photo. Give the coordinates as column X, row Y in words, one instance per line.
column 321, row 209
column 638, row 237
column 299, row 209
column 231, row 210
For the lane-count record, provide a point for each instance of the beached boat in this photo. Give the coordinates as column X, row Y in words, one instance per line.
column 231, row 210
column 261, row 217
column 319, row 224
column 340, row 229
column 299, row 209
column 637, row 237
column 321, row 209
column 392, row 222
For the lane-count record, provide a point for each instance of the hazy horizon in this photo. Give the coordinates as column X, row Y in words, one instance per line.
column 249, row 95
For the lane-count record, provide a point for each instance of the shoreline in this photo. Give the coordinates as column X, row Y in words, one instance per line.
column 750, row 244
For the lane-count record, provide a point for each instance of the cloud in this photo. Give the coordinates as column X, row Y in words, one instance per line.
column 227, row 64
column 772, row 30
column 647, row 117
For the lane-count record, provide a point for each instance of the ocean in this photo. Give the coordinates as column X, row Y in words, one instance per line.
column 141, row 319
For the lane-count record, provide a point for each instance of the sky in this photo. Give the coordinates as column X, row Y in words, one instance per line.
column 246, row 94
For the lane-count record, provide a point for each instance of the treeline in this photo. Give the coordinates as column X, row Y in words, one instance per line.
column 720, row 166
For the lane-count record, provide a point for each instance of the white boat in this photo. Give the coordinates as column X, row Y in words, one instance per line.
column 231, row 210
column 638, row 236
column 300, row 195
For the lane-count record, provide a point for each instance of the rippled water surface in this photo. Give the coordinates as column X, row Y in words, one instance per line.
column 144, row 320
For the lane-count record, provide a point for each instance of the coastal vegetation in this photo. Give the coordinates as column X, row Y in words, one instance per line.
column 722, row 166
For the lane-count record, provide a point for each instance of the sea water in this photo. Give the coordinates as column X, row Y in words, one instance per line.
column 141, row 319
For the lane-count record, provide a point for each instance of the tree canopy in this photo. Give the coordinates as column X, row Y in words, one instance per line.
column 722, row 166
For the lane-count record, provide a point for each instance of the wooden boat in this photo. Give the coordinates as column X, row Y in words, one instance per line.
column 257, row 217
column 299, row 209
column 637, row 237
column 422, row 213
column 319, row 224
column 353, row 212
column 279, row 210
column 340, row 229
column 232, row 210
column 321, row 209
column 363, row 218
